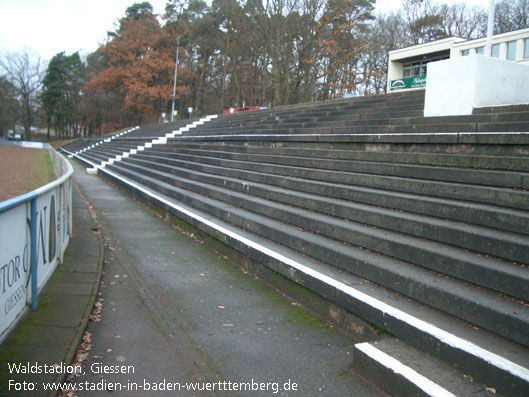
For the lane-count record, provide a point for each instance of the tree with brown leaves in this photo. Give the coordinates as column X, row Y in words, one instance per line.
column 139, row 65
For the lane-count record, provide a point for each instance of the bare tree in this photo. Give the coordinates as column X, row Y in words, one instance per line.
column 511, row 15
column 423, row 20
column 462, row 21
column 24, row 70
column 388, row 32
column 8, row 106
column 272, row 21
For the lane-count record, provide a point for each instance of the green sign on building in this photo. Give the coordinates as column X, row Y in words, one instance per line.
column 410, row 82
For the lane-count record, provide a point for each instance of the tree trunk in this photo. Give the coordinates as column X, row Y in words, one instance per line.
column 276, row 79
column 205, row 58
column 224, row 72
column 28, row 119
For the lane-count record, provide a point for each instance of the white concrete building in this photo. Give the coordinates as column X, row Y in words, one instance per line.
column 407, row 67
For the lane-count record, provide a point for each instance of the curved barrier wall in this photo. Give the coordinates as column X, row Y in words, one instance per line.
column 34, row 232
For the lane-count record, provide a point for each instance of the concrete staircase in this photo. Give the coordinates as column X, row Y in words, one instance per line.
column 420, row 226
column 98, row 152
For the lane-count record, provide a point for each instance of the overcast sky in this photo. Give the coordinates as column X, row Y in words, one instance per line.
column 52, row 26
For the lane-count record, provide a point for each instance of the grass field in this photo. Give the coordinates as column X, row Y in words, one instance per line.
column 23, row 170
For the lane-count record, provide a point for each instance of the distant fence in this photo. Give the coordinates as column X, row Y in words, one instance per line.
column 34, row 232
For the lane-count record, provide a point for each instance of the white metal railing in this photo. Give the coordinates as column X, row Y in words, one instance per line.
column 35, row 229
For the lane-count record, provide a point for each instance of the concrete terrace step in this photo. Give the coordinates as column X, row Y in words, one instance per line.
column 463, row 160
column 495, row 235
column 157, row 129
column 513, row 116
column 348, row 112
column 477, row 306
column 369, row 113
column 514, row 126
column 368, row 128
column 338, row 107
column 517, row 180
column 254, row 177
column 81, row 144
column 475, row 351
column 374, row 116
column 85, row 144
column 99, row 151
column 478, row 214
column 334, row 125
column 510, row 144
column 109, row 151
column 333, row 106
column 310, row 112
column 511, row 198
column 278, row 121
column 418, row 120
column 488, row 272
column 371, row 102
column 501, row 109
column 403, row 370
column 93, row 157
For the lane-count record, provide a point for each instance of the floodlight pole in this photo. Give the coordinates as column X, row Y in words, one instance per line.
column 175, row 74
column 490, row 28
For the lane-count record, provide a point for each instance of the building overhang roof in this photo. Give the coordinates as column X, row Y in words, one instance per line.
column 439, row 46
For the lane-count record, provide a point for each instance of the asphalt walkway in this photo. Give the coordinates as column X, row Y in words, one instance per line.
column 175, row 314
